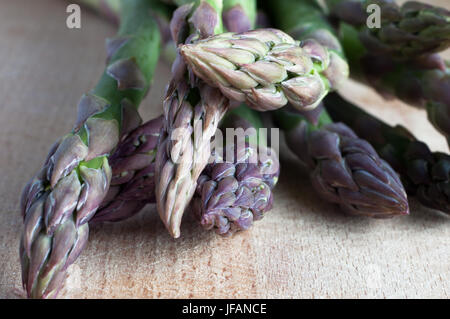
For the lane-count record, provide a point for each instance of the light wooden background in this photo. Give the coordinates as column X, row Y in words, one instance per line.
column 305, row 248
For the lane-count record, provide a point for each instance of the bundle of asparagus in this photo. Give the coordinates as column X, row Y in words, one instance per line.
column 111, row 165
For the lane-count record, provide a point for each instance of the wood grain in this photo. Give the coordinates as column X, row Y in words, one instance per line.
column 305, row 248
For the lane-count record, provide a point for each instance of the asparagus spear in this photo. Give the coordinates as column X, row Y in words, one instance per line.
column 60, row 200
column 422, row 82
column 192, row 111
column 425, row 174
column 236, row 188
column 266, row 68
column 406, row 32
column 305, row 21
column 344, row 169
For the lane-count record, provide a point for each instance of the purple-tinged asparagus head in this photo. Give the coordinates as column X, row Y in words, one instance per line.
column 424, row 174
column 346, row 170
column 231, row 195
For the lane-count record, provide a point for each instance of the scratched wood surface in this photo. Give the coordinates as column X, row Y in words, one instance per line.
column 305, row 248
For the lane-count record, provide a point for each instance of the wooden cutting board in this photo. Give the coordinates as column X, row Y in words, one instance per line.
column 305, row 248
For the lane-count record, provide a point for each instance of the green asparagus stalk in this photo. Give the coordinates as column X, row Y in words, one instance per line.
column 425, row 174
column 344, row 169
column 110, row 9
column 60, row 200
column 406, row 32
column 422, row 82
column 304, row 20
column 192, row 111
